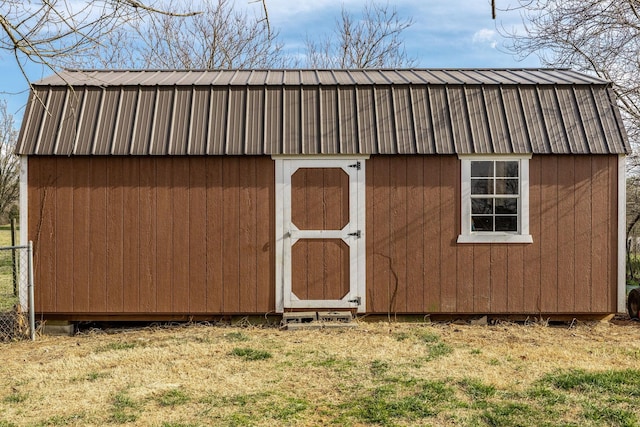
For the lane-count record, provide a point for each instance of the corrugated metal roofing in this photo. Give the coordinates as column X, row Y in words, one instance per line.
column 321, row 112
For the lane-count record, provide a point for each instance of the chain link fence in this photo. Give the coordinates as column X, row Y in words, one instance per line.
column 17, row 319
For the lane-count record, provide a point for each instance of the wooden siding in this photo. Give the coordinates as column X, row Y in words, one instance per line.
column 414, row 264
column 136, row 236
column 152, row 235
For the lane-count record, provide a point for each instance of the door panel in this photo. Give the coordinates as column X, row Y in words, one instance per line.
column 320, row 199
column 320, row 269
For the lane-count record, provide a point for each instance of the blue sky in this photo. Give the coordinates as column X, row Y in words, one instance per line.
column 445, row 34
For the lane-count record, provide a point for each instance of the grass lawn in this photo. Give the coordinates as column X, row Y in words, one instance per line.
column 384, row 374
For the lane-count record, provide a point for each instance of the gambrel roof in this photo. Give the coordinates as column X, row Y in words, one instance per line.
column 254, row 112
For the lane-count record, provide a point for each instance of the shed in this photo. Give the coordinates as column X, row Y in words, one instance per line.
column 156, row 195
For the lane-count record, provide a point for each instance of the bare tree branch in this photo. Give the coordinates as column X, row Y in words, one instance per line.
column 373, row 41
column 266, row 14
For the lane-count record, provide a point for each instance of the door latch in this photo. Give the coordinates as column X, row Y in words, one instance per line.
column 355, row 165
column 357, row 234
column 356, row 301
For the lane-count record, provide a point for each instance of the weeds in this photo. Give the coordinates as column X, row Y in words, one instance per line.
column 401, row 336
column 511, row 414
column 387, row 405
column 250, row 354
column 476, row 389
column 428, row 336
column 378, row 367
column 124, row 408
column 172, row 424
column 16, row 398
column 249, row 409
column 438, row 350
column 625, row 382
column 288, row 409
column 236, row 337
column 59, row 420
column 173, row 398
column 546, row 395
column 335, row 363
column 610, row 416
column 94, row 376
column 116, row 346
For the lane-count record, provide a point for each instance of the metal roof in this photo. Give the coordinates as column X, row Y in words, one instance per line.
column 412, row 111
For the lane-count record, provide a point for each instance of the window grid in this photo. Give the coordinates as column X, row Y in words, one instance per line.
column 483, row 221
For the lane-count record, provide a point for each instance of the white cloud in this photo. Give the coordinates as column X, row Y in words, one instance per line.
column 485, row 36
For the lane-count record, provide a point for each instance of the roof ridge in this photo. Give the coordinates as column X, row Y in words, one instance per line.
column 320, row 77
column 233, row 70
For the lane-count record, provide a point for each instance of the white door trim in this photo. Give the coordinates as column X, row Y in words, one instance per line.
column 285, row 167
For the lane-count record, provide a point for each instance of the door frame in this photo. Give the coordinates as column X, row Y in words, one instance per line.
column 285, row 167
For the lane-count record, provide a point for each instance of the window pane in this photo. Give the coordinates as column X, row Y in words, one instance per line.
column 481, row 223
column 482, row 186
column 481, row 206
column 507, row 186
column 507, row 206
column 481, row 168
column 506, row 223
column 507, row 169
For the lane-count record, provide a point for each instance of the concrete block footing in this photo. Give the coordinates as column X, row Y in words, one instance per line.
column 306, row 320
column 299, row 317
column 335, row 316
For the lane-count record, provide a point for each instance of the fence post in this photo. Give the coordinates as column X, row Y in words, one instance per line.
column 32, row 308
column 14, row 264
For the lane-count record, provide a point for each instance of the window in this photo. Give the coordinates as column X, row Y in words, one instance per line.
column 495, row 199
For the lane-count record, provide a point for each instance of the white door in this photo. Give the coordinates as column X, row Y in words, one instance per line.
column 320, row 234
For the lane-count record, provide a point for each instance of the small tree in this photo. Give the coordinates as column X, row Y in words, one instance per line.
column 9, row 164
column 220, row 36
column 373, row 41
column 599, row 37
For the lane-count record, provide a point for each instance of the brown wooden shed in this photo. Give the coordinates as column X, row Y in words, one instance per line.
column 167, row 194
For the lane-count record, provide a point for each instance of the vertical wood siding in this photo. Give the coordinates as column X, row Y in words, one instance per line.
column 414, row 264
column 195, row 235
column 133, row 235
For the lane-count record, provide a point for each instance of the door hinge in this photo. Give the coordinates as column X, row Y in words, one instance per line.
column 357, row 234
column 355, row 165
column 356, row 301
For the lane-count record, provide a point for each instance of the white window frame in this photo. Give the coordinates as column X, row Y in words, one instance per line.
column 467, row 234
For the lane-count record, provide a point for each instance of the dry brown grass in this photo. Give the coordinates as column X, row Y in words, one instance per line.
column 186, row 375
